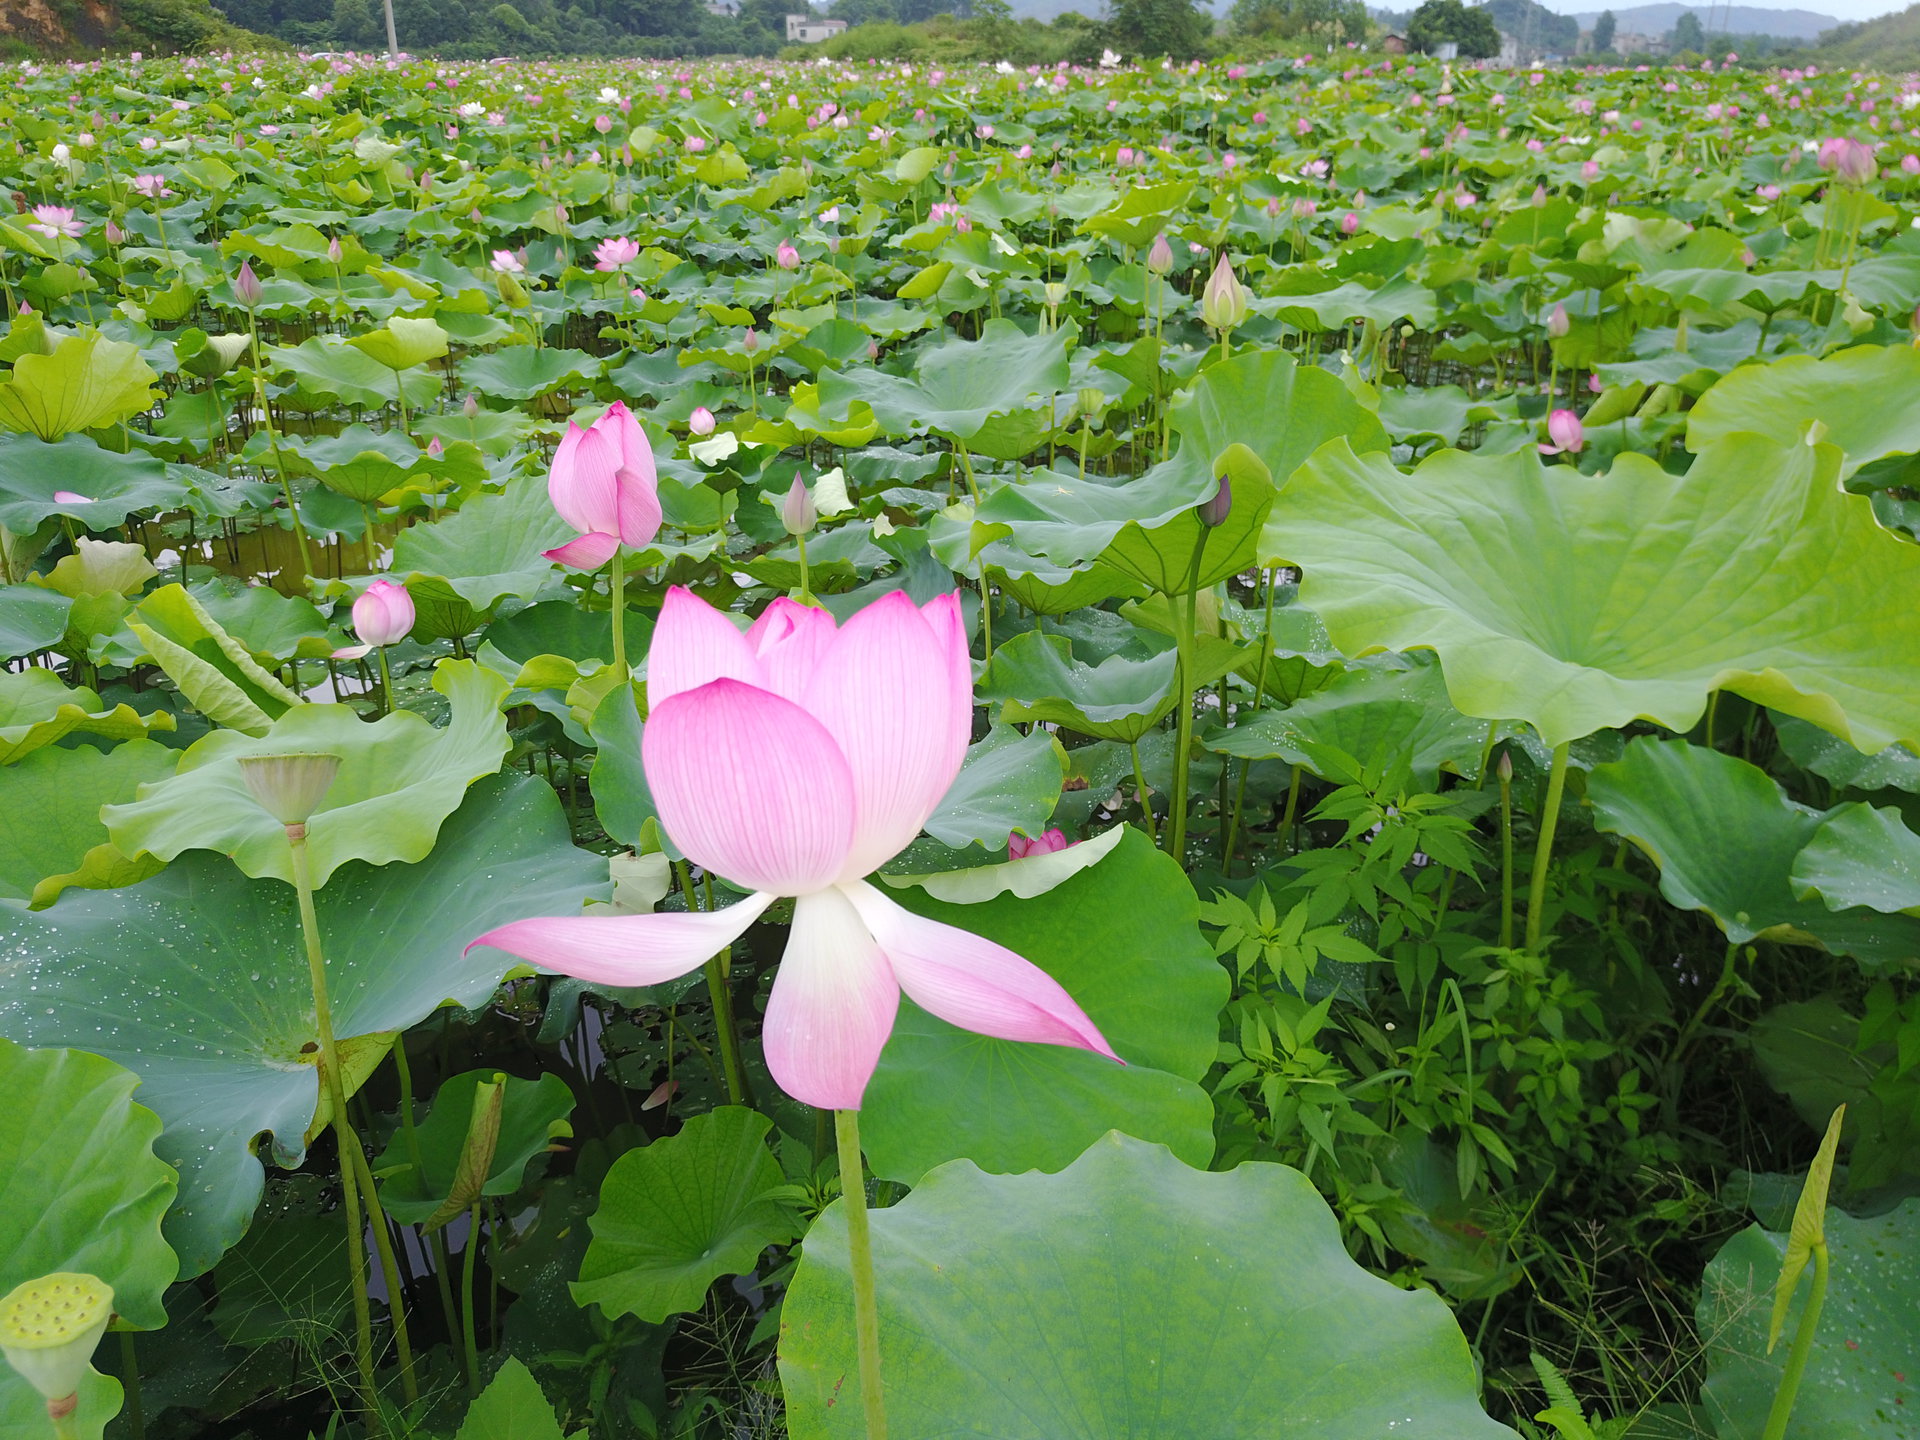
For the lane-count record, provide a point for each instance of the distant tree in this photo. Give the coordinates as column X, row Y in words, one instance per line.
column 1176, row 28
column 1535, row 26
column 1688, row 34
column 1469, row 26
column 1290, row 19
column 1603, row 29
column 866, row 12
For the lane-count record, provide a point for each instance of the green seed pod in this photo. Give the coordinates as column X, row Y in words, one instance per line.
column 49, row 1327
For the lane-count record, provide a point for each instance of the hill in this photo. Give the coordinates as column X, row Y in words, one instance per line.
column 79, row 27
column 1890, row 43
column 1720, row 19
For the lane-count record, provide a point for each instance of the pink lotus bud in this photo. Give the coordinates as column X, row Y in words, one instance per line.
column 1593, row 382
column 470, row 407
column 1539, row 201
column 247, row 287
column 1349, row 223
column 334, row 252
column 383, row 613
column 1506, row 766
column 1848, row 159
column 1565, row 434
column 797, row 512
column 604, row 484
column 1160, row 255
column 115, row 235
column 1557, row 323
column 786, row 257
column 750, row 342
column 701, row 421
column 1910, row 164
column 1019, row 847
column 435, row 450
column 602, row 123
column 1216, row 507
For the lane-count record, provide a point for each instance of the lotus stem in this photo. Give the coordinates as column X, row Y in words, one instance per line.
column 386, row 680
column 130, row 1382
column 1140, row 784
column 1543, row 850
column 469, row 1344
column 1506, row 860
column 1783, row 1398
column 331, row 1077
column 866, row 1314
column 1183, row 724
column 724, row 1026
column 617, row 588
column 389, row 1272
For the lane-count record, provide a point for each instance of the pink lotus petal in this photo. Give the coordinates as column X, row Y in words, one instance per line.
column 788, row 639
column 832, row 1006
column 71, row 497
column 638, row 501
column 751, row 786
column 581, row 484
column 588, row 552
column 972, row 982
column 626, row 949
column 693, row 643
column 352, row 652
column 635, row 453
column 885, row 691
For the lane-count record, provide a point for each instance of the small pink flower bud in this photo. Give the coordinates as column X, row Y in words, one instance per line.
column 247, row 286
column 701, row 421
column 797, row 512
column 1213, row 511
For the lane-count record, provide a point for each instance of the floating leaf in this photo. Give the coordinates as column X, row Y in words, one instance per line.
column 109, row 486
column 490, row 549
column 1128, row 1295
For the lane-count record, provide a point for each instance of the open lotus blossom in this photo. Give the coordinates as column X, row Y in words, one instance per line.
column 604, row 484
column 796, row 759
column 505, row 262
column 56, row 220
column 382, row 615
column 612, row 253
column 151, row 186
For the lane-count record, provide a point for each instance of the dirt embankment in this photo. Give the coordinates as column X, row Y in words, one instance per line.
column 58, row 24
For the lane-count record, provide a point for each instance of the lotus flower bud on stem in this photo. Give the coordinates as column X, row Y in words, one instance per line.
column 289, row 787
column 1213, row 511
column 1558, row 323
column 48, row 1330
column 247, row 287
column 1019, row 847
column 797, row 512
column 1505, row 768
column 384, row 612
column 470, row 407
column 701, row 421
column 1565, row 434
column 786, row 257
column 1223, row 304
column 1160, row 255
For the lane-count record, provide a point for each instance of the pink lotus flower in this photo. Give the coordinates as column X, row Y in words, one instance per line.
column 786, row 257
column 700, row 422
column 1848, row 159
column 382, row 615
column 796, row 759
column 611, row 254
column 53, row 221
column 505, row 262
column 1019, row 847
column 604, row 484
column 1565, row 432
column 151, row 186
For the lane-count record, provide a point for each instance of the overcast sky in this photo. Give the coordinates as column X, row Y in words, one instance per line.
column 1844, row 9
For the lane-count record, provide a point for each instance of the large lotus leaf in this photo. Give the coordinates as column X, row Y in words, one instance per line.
column 196, row 980
column 1128, row 1295
column 961, row 384
column 327, row 368
column 1183, row 552
column 99, row 567
column 362, row 463
column 31, row 619
column 676, row 1215
column 401, row 344
column 36, row 710
column 512, row 1407
column 1141, row 213
column 521, row 372
column 215, row 672
column 533, row 1113
column 491, row 548
column 1375, row 715
column 1857, row 1381
column 1123, row 937
column 400, row 776
column 1851, row 394
column 1008, row 782
column 63, row 790
column 1118, row 699
column 265, row 621
column 110, row 486
column 88, row 383
column 1861, row 856
column 1580, row 603
column 1725, row 838
column 1828, row 756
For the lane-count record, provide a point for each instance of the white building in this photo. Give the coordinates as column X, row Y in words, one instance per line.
column 806, row 30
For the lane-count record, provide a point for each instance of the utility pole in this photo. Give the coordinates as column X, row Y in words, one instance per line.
column 393, row 42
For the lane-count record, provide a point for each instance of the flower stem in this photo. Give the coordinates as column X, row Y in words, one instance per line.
column 1543, row 850
column 721, row 996
column 1183, row 725
column 331, row 1076
column 386, row 680
column 617, row 588
column 1146, row 801
column 389, row 1272
column 1783, row 1398
column 1506, row 861
column 470, row 1345
column 866, row 1315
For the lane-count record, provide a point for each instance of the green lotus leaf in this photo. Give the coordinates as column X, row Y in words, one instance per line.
column 63, row 790
column 512, row 1407
column 88, row 383
column 1375, row 714
column 112, row 486
column 520, row 372
column 195, row 980
column 31, row 619
column 1845, row 393
column 1123, row 937
column 265, row 621
column 961, row 385
column 1118, row 699
column 1442, row 412
column 1183, row 552
column 1008, row 782
column 400, row 776
column 1579, row 603
column 1831, row 758
column 676, row 1215
column 98, row 567
column 1861, row 857
column 1855, row 1380
column 402, row 344
column 215, row 672
column 36, row 710
column 361, row 463
column 533, row 1113
column 328, row 369
column 1726, row 839
column 1127, row 1295
column 490, row 549
column 1142, row 213
column 81, row 1191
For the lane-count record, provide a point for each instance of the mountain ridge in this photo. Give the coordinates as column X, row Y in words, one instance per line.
column 1658, row 19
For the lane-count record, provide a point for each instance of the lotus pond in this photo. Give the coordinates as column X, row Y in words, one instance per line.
column 844, row 750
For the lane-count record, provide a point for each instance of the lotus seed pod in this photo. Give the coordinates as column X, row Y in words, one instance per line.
column 1091, row 401
column 49, row 1328
column 289, row 787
